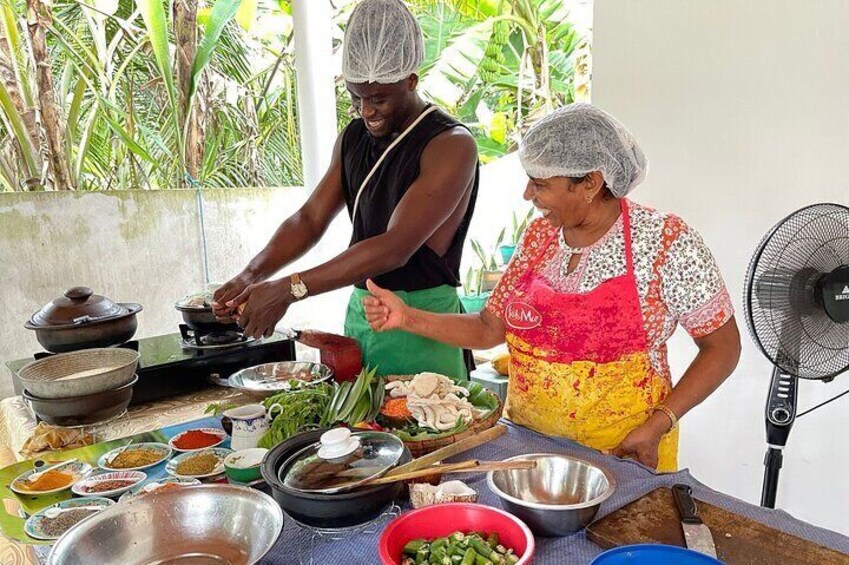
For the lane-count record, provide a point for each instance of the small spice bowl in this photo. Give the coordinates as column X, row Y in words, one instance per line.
column 244, row 466
column 220, row 453
column 177, row 442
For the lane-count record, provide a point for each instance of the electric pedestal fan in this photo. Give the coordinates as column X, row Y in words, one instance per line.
column 797, row 309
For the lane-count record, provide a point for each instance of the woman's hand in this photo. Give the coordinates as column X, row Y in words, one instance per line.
column 384, row 310
column 642, row 442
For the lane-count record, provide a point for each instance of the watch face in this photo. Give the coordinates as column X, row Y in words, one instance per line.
column 299, row 290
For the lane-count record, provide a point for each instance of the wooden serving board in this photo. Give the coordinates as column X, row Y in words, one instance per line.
column 739, row 541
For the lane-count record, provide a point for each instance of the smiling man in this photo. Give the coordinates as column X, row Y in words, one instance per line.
column 407, row 173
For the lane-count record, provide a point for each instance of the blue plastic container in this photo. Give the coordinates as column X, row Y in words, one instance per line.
column 476, row 303
column 653, row 554
column 506, row 252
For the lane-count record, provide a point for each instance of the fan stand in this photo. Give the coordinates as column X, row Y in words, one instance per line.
column 780, row 415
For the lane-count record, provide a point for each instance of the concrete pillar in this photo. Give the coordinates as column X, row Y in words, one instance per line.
column 316, row 94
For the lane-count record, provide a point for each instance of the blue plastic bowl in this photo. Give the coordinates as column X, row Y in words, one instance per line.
column 653, row 554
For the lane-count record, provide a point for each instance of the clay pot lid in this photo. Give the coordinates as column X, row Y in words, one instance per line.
column 77, row 306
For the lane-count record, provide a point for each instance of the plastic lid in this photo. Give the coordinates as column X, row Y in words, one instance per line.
column 341, row 460
column 77, row 306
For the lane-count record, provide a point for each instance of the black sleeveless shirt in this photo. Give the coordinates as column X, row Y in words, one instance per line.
column 400, row 168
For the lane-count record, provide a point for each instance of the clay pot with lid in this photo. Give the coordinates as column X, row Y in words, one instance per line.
column 81, row 319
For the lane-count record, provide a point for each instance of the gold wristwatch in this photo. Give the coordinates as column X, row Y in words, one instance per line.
column 298, row 288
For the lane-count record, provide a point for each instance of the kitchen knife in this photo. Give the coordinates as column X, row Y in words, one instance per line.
column 696, row 534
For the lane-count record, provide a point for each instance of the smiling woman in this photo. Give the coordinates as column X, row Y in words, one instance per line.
column 593, row 293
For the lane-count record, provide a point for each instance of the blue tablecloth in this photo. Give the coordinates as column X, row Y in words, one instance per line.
column 302, row 546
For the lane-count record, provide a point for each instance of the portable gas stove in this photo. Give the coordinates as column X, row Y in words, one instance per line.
column 178, row 363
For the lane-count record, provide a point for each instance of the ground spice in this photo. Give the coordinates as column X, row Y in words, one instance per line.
column 62, row 523
column 104, row 486
column 50, row 480
column 133, row 458
column 202, row 464
column 196, row 439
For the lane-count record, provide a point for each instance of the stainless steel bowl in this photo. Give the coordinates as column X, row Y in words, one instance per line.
column 559, row 497
column 209, row 524
column 270, row 378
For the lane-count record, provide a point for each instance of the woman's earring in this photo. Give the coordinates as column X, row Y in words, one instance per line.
column 589, row 199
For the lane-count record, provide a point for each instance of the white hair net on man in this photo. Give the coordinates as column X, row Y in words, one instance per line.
column 578, row 139
column 383, row 43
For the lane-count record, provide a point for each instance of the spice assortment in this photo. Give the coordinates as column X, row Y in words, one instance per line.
column 59, row 525
column 48, row 481
column 195, row 439
column 51, row 522
column 198, row 464
column 134, row 458
column 106, row 486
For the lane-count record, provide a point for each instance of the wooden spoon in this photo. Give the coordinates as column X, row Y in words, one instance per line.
column 473, row 466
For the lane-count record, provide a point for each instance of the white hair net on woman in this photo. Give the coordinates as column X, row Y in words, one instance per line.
column 578, row 139
column 383, row 43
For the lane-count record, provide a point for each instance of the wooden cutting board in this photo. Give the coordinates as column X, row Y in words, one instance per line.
column 739, row 540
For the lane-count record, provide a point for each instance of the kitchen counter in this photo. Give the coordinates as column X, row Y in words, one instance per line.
column 303, row 546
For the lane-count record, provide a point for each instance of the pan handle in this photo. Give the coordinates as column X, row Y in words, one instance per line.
column 216, row 379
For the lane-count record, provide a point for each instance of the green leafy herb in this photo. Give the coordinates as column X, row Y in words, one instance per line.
column 295, row 410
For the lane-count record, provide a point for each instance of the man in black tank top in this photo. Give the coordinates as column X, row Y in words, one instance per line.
column 407, row 173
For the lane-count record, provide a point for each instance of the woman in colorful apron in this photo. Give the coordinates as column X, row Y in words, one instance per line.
column 590, row 364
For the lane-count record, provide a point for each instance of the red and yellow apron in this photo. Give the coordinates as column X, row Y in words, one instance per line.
column 579, row 363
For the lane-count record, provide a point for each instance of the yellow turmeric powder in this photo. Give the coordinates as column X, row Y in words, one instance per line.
column 50, row 480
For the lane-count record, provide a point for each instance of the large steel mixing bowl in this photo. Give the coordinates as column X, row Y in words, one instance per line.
column 560, row 496
column 199, row 525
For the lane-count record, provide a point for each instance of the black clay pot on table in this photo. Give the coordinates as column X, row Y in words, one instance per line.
column 326, row 511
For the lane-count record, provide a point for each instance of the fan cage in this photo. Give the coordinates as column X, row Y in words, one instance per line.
column 791, row 329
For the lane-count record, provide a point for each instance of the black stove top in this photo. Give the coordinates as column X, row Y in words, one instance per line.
column 170, row 364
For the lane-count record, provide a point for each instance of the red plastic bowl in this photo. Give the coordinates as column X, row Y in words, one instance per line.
column 441, row 520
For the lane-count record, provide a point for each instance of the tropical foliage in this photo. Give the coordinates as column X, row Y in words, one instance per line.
column 117, row 94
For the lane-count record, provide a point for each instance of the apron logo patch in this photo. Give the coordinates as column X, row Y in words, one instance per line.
column 522, row 316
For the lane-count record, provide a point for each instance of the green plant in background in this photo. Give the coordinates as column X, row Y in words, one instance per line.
column 518, row 227
column 148, row 90
column 487, row 259
column 494, row 64
column 472, row 282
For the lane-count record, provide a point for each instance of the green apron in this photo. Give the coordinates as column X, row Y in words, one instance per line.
column 401, row 353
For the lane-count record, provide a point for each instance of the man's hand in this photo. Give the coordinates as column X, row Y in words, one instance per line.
column 227, row 292
column 384, row 310
column 642, row 442
column 261, row 306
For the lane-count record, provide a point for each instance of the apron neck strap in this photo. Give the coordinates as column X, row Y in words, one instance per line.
column 392, row 145
column 626, row 231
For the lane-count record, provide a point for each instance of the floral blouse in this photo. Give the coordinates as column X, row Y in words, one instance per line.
column 678, row 280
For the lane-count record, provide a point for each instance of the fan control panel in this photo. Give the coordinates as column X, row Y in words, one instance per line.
column 780, row 407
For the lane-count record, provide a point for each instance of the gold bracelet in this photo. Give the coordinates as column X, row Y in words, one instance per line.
column 672, row 417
